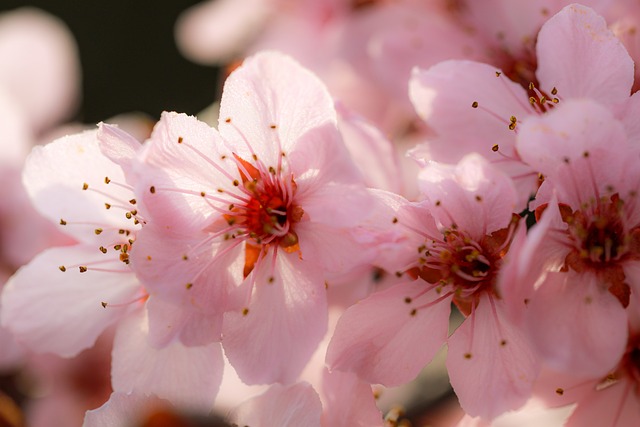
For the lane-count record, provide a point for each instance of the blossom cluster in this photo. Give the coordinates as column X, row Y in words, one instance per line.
column 377, row 169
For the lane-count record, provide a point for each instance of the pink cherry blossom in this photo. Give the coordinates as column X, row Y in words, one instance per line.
column 458, row 260
column 592, row 238
column 474, row 107
column 243, row 224
column 67, row 296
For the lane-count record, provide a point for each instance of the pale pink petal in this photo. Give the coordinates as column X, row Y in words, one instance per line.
column 491, row 364
column 531, row 254
column 182, row 163
column 274, row 337
column 334, row 249
column 283, row 406
column 271, row 101
column 120, row 147
column 581, row 57
column 473, row 195
column 336, row 204
column 376, row 338
column 347, row 401
column 577, row 326
column 373, row 153
column 187, row 270
column 62, row 312
column 215, row 31
column 444, row 96
column 124, row 409
column 40, row 66
column 172, row 322
column 187, row 376
column 616, row 406
column 533, row 414
column 66, row 181
column 575, row 145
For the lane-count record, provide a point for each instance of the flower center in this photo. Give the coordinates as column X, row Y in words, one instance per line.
column 269, row 213
column 468, row 266
column 599, row 236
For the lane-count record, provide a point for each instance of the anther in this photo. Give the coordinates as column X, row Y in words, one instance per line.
column 107, row 206
column 203, row 194
column 474, row 104
column 132, row 201
column 103, row 249
column 554, row 91
column 62, row 268
column 272, row 126
column 228, row 120
column 236, row 182
column 188, row 286
column 495, row 148
column 270, row 279
column 98, row 230
column 559, row 391
column 82, row 269
column 63, row 222
column 394, row 220
column 245, row 311
column 152, row 189
column 104, row 304
column 106, row 180
column 413, row 312
column 180, row 140
column 467, row 355
column 498, row 73
column 408, row 300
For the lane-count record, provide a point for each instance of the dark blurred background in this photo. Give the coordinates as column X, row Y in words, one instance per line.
column 129, row 58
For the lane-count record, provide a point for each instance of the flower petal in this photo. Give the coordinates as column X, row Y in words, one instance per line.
column 187, row 376
column 63, row 313
column 492, row 366
column 577, row 326
column 581, row 57
column 376, row 338
column 285, row 406
column 274, row 337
